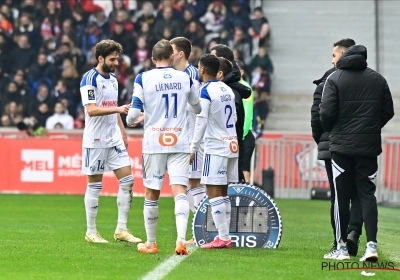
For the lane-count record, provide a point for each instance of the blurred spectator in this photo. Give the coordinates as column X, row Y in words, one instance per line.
column 195, row 55
column 262, row 58
column 166, row 21
column 147, row 65
column 167, row 33
column 146, row 14
column 236, row 17
column 199, row 7
column 58, row 126
column 261, row 79
column 22, row 86
column 106, row 5
column 42, row 69
column 118, row 6
column 261, row 111
column 123, row 37
column 3, row 80
column 211, row 44
column 14, row 112
column 49, row 48
column 80, row 26
column 93, row 36
column 126, row 96
column 5, row 121
column 5, row 49
column 100, row 18
column 11, row 94
column 23, row 56
column 33, row 9
column 50, row 25
column 61, row 117
column 179, row 6
column 195, row 34
column 239, row 43
column 42, row 113
column 32, row 127
column 62, row 92
column 91, row 63
column 42, row 95
column 214, row 19
column 79, row 122
column 223, row 38
column 66, row 51
column 176, row 14
column 70, row 76
column 145, row 31
column 141, row 53
column 122, row 18
column 259, row 27
column 9, row 12
column 67, row 29
column 188, row 16
column 5, row 24
column 27, row 27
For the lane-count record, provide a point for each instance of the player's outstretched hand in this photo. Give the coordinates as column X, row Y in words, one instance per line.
column 191, row 158
column 124, row 109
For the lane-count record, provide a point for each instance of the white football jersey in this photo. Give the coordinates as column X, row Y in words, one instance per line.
column 163, row 93
column 218, row 105
column 100, row 131
column 194, row 75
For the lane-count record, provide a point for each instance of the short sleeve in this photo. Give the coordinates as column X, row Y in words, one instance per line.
column 88, row 88
column 138, row 96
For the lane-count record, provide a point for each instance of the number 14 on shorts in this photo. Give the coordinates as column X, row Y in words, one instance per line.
column 99, row 166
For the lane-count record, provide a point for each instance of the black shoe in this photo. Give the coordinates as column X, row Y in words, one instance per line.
column 353, row 239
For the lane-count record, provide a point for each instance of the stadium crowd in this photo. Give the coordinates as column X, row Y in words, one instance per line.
column 46, row 46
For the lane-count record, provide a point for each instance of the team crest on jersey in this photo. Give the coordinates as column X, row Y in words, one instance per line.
column 91, row 94
column 93, row 168
column 115, row 85
column 167, row 76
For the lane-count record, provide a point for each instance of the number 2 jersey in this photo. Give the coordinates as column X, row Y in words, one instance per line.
column 218, row 106
column 100, row 131
column 163, row 93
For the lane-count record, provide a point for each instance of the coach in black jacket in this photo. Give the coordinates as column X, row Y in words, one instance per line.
column 241, row 92
column 356, row 104
column 321, row 137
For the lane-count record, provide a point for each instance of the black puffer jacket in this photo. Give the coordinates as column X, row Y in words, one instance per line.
column 320, row 136
column 356, row 104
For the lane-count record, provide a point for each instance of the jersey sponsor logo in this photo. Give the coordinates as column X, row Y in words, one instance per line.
column 234, row 147
column 91, row 94
column 168, row 139
column 167, row 76
column 174, row 129
column 108, row 103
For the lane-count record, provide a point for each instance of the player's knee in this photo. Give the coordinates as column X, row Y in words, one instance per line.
column 126, row 183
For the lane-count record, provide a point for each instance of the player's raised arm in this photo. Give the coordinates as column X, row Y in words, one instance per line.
column 137, row 101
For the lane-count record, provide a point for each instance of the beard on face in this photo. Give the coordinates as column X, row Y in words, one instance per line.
column 107, row 69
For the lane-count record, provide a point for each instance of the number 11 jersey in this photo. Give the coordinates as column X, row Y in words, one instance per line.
column 163, row 93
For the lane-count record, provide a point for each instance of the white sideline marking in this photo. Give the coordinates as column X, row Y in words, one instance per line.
column 167, row 266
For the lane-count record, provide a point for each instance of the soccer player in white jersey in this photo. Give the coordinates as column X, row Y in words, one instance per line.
column 196, row 192
column 216, row 123
column 164, row 93
column 105, row 141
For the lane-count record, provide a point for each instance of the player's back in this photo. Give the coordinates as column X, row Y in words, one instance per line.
column 220, row 136
column 100, row 131
column 165, row 92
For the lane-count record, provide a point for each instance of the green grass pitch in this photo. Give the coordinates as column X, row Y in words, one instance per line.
column 42, row 237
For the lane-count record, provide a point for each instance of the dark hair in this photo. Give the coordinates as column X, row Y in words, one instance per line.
column 345, row 43
column 210, row 63
column 225, row 66
column 223, row 51
column 240, row 64
column 258, row 9
column 106, row 47
column 182, row 44
column 162, row 50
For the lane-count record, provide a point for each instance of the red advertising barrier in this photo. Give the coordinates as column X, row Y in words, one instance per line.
column 40, row 165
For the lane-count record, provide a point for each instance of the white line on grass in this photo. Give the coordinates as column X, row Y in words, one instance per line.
column 167, row 266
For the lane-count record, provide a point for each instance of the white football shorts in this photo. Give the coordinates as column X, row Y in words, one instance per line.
column 99, row 160
column 197, row 164
column 155, row 165
column 219, row 170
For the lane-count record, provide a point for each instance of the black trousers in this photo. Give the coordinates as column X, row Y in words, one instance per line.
column 360, row 173
column 356, row 219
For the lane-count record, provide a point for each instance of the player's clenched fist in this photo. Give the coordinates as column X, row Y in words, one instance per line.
column 124, row 109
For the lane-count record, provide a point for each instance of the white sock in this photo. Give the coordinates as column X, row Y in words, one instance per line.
column 198, row 194
column 150, row 213
column 181, row 216
column 219, row 216
column 91, row 204
column 124, row 200
column 228, row 211
column 191, row 200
